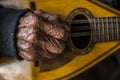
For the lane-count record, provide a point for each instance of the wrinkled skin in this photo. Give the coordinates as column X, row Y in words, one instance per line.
column 40, row 35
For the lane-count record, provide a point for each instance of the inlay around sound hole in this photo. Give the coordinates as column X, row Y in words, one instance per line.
column 80, row 31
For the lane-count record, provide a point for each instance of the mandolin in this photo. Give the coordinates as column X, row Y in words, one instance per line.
column 87, row 30
column 94, row 34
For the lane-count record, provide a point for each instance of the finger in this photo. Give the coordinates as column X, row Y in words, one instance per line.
column 28, row 20
column 49, row 16
column 26, row 56
column 43, row 53
column 26, row 50
column 39, row 12
column 51, row 44
column 23, row 44
column 55, row 46
column 56, row 30
column 52, row 17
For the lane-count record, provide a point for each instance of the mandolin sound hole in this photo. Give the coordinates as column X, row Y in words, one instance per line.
column 80, row 32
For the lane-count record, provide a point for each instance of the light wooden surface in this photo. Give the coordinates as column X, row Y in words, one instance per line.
column 15, row 70
column 17, row 4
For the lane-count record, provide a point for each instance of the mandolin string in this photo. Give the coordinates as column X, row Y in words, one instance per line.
column 80, row 34
column 84, row 34
column 96, row 21
column 74, row 34
column 89, row 28
column 86, row 21
column 92, row 20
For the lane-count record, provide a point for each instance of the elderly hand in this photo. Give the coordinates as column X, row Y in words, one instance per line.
column 40, row 35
